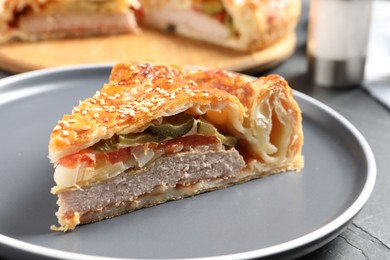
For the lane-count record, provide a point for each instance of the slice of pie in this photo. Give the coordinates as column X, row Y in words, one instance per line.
column 244, row 25
column 31, row 20
column 156, row 133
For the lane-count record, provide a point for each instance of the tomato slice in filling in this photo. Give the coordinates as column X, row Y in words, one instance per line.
column 93, row 158
column 73, row 160
column 118, row 155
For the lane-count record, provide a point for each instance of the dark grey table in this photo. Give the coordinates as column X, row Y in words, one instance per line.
column 368, row 236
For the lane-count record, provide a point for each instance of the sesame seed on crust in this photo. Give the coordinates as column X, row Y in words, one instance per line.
column 65, row 133
column 120, row 108
column 57, row 127
column 86, row 128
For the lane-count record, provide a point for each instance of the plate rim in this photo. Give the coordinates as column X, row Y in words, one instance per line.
column 336, row 224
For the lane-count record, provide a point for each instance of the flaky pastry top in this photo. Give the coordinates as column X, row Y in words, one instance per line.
column 130, row 105
column 272, row 124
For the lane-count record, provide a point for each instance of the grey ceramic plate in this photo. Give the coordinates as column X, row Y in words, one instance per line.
column 283, row 215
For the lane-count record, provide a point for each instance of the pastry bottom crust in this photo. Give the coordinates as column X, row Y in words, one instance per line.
column 161, row 195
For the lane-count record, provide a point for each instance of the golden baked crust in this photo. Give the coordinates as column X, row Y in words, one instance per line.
column 13, row 7
column 272, row 123
column 274, row 117
column 129, row 106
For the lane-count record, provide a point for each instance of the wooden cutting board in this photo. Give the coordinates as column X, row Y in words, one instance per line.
column 151, row 45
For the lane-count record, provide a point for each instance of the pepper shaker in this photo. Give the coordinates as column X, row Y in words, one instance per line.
column 337, row 41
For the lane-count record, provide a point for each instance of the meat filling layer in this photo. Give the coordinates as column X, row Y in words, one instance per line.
column 181, row 169
column 78, row 25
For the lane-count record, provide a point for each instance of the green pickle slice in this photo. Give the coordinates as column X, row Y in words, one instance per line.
column 208, row 129
column 170, row 127
column 212, row 8
column 229, row 141
column 106, row 145
column 174, row 126
column 138, row 139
